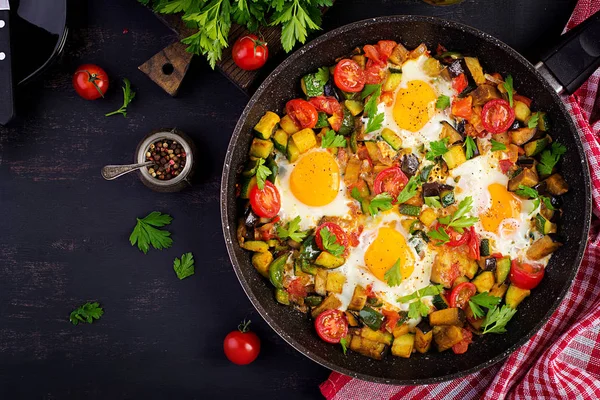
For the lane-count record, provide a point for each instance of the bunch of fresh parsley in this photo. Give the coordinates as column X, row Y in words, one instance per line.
column 213, row 19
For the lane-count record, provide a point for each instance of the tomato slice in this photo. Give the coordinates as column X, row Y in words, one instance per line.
column 336, row 230
column 456, row 239
column 330, row 106
column 296, row 289
column 385, row 49
column 474, row 244
column 372, row 53
column 460, row 83
column 462, row 346
column 391, row 319
column 348, row 76
column 526, row 276
column 505, row 165
column 391, row 180
column 331, row 326
column 497, row 116
column 266, row 202
column 463, row 107
column 303, row 113
column 374, row 73
column 461, row 293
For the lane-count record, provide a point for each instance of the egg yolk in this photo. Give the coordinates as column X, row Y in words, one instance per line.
column 315, row 180
column 386, row 249
column 504, row 205
column 414, row 105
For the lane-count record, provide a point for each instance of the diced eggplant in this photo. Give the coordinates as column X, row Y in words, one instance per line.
column 527, row 177
column 352, row 319
column 367, row 347
column 475, row 69
column 522, row 135
column 399, row 55
column 447, row 336
column 449, row 316
column 525, row 162
column 423, row 340
column 450, row 133
column 556, row 185
column 483, row 94
column 456, row 68
column 487, row 263
column 431, row 189
column 537, row 146
column 544, row 246
column 439, row 302
column 403, row 345
column 410, row 164
column 498, row 290
column 251, row 220
column 331, row 302
column 329, row 89
column 400, row 330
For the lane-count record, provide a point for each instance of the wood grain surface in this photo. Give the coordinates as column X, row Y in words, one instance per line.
column 64, row 230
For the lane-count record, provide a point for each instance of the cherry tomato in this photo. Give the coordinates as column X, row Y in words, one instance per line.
column 90, row 81
column 456, row 239
column 462, row 107
column 497, row 116
column 336, row 230
column 266, row 202
column 372, row 53
column 391, row 319
column 391, row 180
column 242, row 346
column 330, row 106
column 505, row 165
column 249, row 52
column 460, row 83
column 385, row 49
column 303, row 113
column 296, row 289
column 526, row 276
column 348, row 76
column 331, row 326
column 375, row 73
column 473, row 244
column 460, row 295
column 462, row 346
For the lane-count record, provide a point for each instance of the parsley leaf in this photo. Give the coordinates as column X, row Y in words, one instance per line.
column 533, row 120
column 430, row 290
column 417, row 309
column 497, row 146
column 508, row 86
column 315, row 82
column 410, row 190
column 332, row 140
column 470, row 147
column 344, row 344
column 128, row 95
column 292, row 231
column 393, row 277
column 442, row 102
column 482, row 300
column 497, row 318
column 369, row 90
column 458, row 220
column 527, row 192
column 433, row 201
column 375, row 120
column 381, row 202
column 184, row 267
column 548, row 203
column 375, row 123
column 262, row 172
column 298, row 18
column 355, row 194
column 439, row 234
column 330, row 242
column 146, row 234
column 86, row 313
column 550, row 157
column 438, row 148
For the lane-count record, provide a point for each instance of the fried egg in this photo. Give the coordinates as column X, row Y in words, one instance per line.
column 311, row 188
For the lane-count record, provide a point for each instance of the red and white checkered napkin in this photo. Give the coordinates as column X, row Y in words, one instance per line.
column 562, row 361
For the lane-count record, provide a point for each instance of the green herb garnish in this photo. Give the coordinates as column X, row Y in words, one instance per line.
column 508, row 86
column 184, row 267
column 550, row 157
column 262, row 172
column 439, row 234
column 482, row 300
column 458, row 220
column 292, row 231
column 128, row 95
column 442, row 102
column 344, row 344
column 497, row 318
column 332, row 140
column 433, row 201
column 497, row 146
column 533, row 120
column 410, row 190
column 470, row 147
column 330, row 242
column 381, row 202
column 146, row 233
column 438, row 148
column 86, row 313
column 393, row 276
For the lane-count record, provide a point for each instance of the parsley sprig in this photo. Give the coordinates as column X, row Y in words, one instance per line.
column 393, row 276
column 146, row 233
column 532, row 122
column 184, row 267
column 470, row 147
column 442, row 102
column 315, row 82
column 292, row 231
column 375, row 120
column 497, row 318
column 438, row 148
column 330, row 242
column 381, row 202
column 262, row 173
column 508, row 86
column 439, row 234
column 497, row 146
column 550, row 157
column 418, row 308
column 330, row 139
column 531, row 193
column 458, row 219
column 128, row 95
column 482, row 300
column 344, row 344
column 87, row 312
column 410, row 190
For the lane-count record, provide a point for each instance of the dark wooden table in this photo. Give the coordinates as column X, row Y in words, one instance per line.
column 64, row 230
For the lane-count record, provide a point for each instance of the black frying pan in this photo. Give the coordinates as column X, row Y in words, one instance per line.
column 494, row 55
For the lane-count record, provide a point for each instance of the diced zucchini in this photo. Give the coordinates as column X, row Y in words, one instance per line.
column 543, row 247
column 423, row 340
column 432, row 67
column 313, row 301
column 292, row 151
column 455, row 156
column 515, row 295
column 448, row 316
column 261, row 148
column 427, row 216
column 407, row 209
column 556, row 185
column 447, row 336
column 247, row 183
column 282, row 296
column 277, row 270
column 322, row 121
column 373, row 151
column 543, row 225
column 304, row 140
column 352, row 171
column 522, row 135
column 403, row 345
column 335, row 282
column 446, row 197
column 261, row 262
column 288, row 125
column 471, row 269
column 522, row 111
column 331, row 302
column 267, row 125
column 308, row 268
column 251, row 167
column 536, row 147
column 353, row 142
column 321, row 282
column 484, row 281
column 439, row 302
column 367, row 347
column 392, row 82
column 391, row 138
column 502, row 269
column 347, row 123
column 527, row 177
column 273, row 167
column 354, row 106
column 484, row 247
column 329, row 261
column 256, row 246
column 448, row 132
column 400, row 330
column 359, row 298
column 498, row 290
column 543, row 122
column 476, row 71
column 280, row 140
column 377, row 336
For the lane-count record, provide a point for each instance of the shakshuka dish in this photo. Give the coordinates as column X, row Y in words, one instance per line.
column 408, row 200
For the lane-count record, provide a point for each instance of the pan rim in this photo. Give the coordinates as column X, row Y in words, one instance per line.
column 238, row 132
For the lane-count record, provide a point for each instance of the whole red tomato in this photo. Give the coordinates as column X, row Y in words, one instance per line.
column 249, row 52
column 242, row 346
column 90, row 81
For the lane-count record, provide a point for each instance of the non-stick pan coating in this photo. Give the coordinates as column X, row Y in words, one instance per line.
column 283, row 84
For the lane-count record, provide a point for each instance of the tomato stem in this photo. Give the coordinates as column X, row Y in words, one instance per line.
column 93, row 78
column 244, row 326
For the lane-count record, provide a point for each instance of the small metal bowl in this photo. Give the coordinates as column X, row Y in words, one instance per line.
column 180, row 181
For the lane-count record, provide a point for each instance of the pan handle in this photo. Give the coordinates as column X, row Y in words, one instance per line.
column 6, row 82
column 571, row 62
